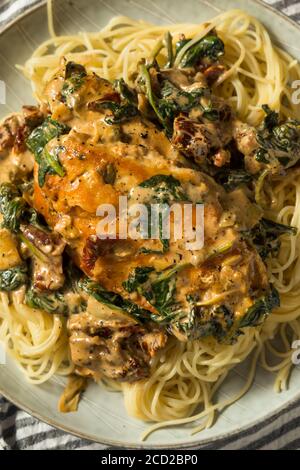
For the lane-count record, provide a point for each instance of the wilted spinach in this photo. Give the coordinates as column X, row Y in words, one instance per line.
column 127, row 94
column 74, row 78
column 159, row 289
column 265, row 236
column 261, row 307
column 231, row 179
column 15, row 209
column 216, row 321
column 50, row 164
column 12, row 206
column 138, row 277
column 279, row 142
column 165, row 189
column 13, row 278
column 210, row 47
column 51, row 302
column 36, row 142
column 113, row 300
column 119, row 112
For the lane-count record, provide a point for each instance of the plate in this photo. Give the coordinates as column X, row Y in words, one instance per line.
column 102, row 416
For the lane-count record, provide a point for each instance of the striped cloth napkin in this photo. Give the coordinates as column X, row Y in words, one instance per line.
column 18, row 430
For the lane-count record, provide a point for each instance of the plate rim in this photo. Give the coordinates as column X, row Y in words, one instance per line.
column 115, row 443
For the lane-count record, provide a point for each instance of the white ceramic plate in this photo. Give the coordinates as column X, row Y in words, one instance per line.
column 101, row 416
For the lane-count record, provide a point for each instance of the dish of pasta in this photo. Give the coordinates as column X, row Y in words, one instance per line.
column 191, row 115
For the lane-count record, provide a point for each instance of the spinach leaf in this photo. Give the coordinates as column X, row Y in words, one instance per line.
column 56, row 302
column 13, row 278
column 12, row 206
column 272, row 118
column 169, row 101
column 160, row 291
column 36, row 142
column 50, row 164
column 180, row 44
column 120, row 112
column 260, row 309
column 164, row 241
column 41, row 135
column 74, row 78
column 165, row 189
column 36, row 219
column 140, row 276
column 210, row 47
column 113, row 300
column 203, row 322
column 15, row 209
column 173, row 101
column 145, row 81
column 51, row 302
column 279, row 142
column 231, row 179
column 262, row 156
column 127, row 94
column 265, row 236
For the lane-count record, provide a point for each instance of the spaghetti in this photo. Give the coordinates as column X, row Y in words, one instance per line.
column 186, row 375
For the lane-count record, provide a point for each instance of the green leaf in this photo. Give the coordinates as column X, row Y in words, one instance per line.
column 120, row 112
column 152, row 98
column 113, row 300
column 272, row 118
column 51, row 302
column 50, row 164
column 265, row 236
column 139, row 276
column 74, row 78
column 210, row 47
column 260, row 309
column 159, row 289
column 165, row 188
column 231, row 179
column 279, row 142
column 202, row 322
column 12, row 206
column 41, row 135
column 180, row 44
column 13, row 278
column 127, row 94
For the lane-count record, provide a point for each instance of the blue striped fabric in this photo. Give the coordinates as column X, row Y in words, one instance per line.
column 18, row 430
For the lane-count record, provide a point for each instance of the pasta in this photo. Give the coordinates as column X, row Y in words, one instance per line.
column 186, row 375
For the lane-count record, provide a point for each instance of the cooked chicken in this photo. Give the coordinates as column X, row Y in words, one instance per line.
column 245, row 138
column 102, row 162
